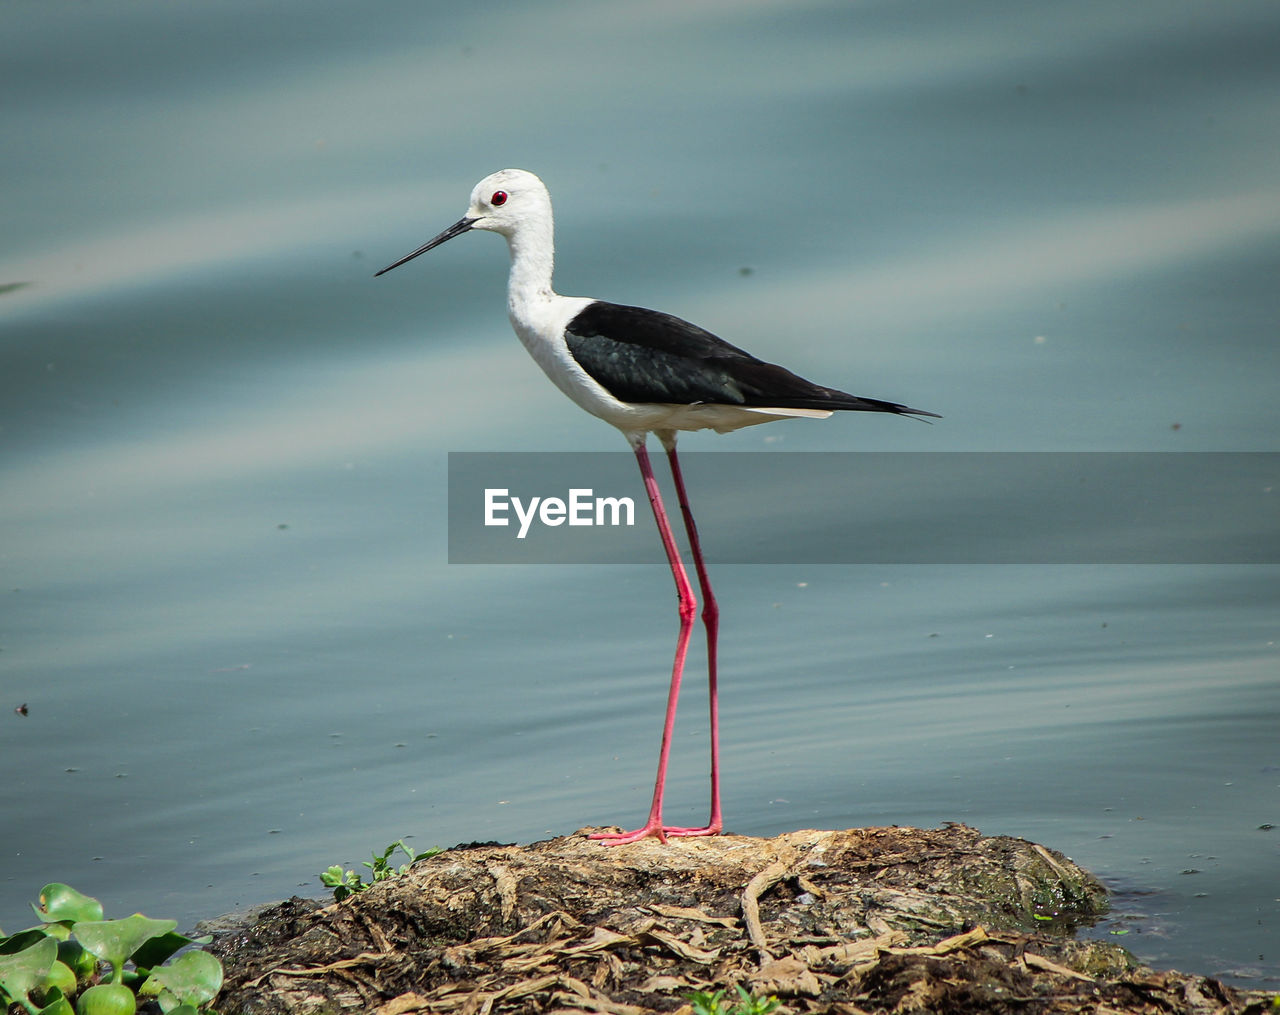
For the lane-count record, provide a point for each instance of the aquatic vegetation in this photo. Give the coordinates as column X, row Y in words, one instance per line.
column 104, row 965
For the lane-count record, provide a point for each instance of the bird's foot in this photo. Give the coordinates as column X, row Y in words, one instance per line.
column 653, row 830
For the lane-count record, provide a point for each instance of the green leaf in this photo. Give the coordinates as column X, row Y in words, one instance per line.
column 115, row 940
column 56, row 1005
column 82, row 962
column 705, row 1002
column 342, row 883
column 59, row 902
column 60, row 977
column 158, row 949
column 193, row 978
column 21, row 972
column 107, row 999
column 22, row 939
column 752, row 1005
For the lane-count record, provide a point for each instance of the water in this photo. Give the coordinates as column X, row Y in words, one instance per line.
column 222, row 514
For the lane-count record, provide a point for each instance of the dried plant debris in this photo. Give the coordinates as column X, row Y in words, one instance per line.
column 864, row 920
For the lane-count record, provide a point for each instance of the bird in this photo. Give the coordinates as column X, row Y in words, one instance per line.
column 643, row 371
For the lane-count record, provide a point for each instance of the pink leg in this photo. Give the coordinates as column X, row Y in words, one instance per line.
column 711, row 621
column 688, row 605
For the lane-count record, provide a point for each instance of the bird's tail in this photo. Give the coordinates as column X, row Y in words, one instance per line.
column 841, row 400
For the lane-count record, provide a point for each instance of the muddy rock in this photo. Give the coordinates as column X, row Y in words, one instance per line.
column 863, row 920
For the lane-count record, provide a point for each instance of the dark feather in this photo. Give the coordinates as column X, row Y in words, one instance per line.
column 641, row 355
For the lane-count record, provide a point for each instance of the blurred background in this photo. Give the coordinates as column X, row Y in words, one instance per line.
column 224, row 596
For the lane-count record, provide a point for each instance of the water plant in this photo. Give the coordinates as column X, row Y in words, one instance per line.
column 345, row 883
column 105, row 965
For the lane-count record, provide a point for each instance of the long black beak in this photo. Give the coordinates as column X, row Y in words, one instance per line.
column 457, row 229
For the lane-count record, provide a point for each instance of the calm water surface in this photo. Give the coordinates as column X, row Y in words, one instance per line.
column 225, row 596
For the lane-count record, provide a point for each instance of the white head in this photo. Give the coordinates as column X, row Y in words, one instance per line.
column 506, row 202
column 508, row 199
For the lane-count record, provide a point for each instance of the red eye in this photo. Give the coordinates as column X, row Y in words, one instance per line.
column 499, row 198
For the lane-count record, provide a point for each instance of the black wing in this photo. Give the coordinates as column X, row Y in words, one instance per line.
column 641, row 355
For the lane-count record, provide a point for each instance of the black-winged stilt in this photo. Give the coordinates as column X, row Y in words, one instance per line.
column 643, row 371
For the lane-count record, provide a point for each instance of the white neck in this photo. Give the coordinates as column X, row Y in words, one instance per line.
column 532, row 262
